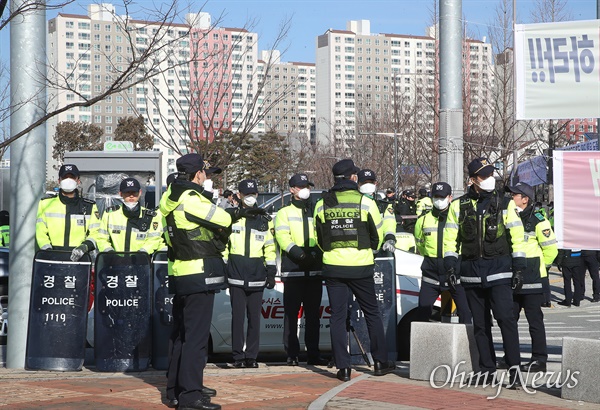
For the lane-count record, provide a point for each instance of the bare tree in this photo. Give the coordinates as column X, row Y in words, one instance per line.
column 199, row 113
column 141, row 62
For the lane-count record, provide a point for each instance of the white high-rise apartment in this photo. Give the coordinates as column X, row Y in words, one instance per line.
column 290, row 95
column 87, row 53
column 207, row 81
column 366, row 81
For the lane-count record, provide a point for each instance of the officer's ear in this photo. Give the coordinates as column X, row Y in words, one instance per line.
column 354, row 178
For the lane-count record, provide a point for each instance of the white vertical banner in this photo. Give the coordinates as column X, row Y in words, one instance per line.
column 557, row 70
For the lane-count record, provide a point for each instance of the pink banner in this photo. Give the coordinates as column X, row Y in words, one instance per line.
column 581, row 200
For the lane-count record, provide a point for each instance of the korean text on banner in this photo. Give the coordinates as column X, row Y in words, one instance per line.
column 557, row 70
column 577, row 199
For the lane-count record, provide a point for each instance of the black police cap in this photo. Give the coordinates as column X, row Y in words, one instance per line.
column 129, row 185
column 300, row 180
column 523, row 189
column 441, row 189
column 67, row 169
column 366, row 175
column 480, row 167
column 345, row 168
column 248, row 186
column 190, row 163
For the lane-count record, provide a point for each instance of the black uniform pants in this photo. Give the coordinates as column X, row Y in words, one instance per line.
column 429, row 294
column 499, row 299
column 174, row 349
column 194, row 333
column 245, row 304
column 364, row 291
column 532, row 305
column 306, row 292
column 591, row 264
column 573, row 278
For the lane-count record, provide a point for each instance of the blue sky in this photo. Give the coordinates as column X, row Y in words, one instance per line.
column 311, row 18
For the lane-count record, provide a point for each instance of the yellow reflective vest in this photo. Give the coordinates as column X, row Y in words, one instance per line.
column 250, row 253
column 294, row 226
column 485, row 236
column 122, row 230
column 64, row 223
column 349, row 231
column 541, row 248
column 198, row 232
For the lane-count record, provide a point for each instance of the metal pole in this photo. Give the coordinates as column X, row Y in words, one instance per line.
column 28, row 165
column 396, row 176
column 451, row 109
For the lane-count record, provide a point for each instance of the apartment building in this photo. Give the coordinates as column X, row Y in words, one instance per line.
column 203, row 81
column 367, row 80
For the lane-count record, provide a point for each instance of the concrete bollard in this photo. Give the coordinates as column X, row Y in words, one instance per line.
column 441, row 347
column 583, row 356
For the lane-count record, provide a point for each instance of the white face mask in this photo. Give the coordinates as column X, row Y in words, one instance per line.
column 441, row 203
column 488, row 184
column 208, row 185
column 250, row 200
column 130, row 205
column 304, row 193
column 367, row 188
column 68, row 185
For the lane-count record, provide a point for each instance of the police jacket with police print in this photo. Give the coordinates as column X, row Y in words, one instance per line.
column 349, row 229
column 198, row 231
column 130, row 230
column 489, row 236
column 63, row 223
column 541, row 249
column 429, row 235
column 250, row 252
column 295, row 236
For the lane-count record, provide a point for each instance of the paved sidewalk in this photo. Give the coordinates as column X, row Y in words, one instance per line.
column 272, row 386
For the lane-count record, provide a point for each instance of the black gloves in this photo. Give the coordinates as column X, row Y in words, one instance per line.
column 240, row 212
column 297, row 254
column 450, row 263
column 270, row 282
column 271, row 271
column 453, row 278
column 517, row 280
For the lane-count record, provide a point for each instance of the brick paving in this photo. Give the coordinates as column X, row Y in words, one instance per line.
column 269, row 387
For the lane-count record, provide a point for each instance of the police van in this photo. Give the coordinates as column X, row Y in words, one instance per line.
column 408, row 280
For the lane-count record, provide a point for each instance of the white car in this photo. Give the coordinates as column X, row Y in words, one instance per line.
column 408, row 281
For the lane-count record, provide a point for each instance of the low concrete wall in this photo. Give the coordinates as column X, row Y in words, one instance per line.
column 582, row 356
column 441, row 347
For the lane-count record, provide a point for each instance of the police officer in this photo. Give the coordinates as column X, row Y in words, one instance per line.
column 570, row 263
column 127, row 228
column 348, row 226
column 429, row 236
column 406, row 212
column 541, row 250
column 367, row 185
column 424, row 203
column 250, row 256
column 301, row 262
column 478, row 227
column 590, row 260
column 209, row 188
column 65, row 220
column 198, row 231
column 4, row 228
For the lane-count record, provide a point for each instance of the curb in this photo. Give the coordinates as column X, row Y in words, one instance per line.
column 322, row 401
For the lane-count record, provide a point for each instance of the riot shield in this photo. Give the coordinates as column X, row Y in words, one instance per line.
column 385, row 292
column 162, row 315
column 122, row 335
column 58, row 312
